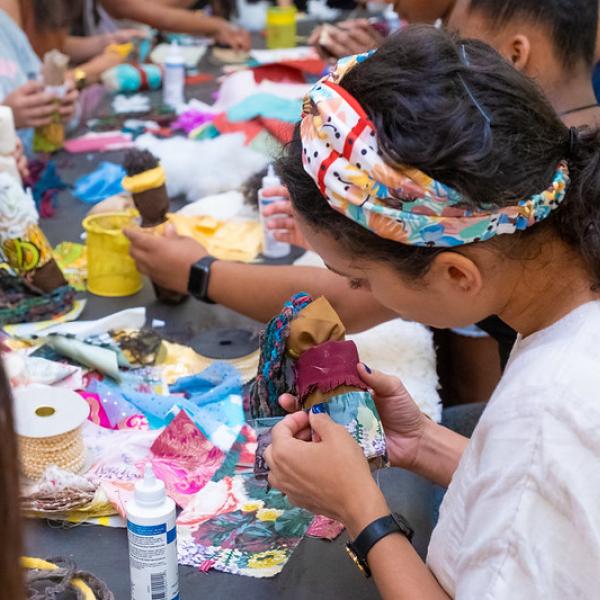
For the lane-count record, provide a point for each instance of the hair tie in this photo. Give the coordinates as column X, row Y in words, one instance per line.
column 573, row 139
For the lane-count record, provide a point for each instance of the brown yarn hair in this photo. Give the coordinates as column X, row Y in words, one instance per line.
column 11, row 574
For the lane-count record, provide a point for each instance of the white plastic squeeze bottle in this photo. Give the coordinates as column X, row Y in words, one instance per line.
column 272, row 248
column 152, row 541
column 174, row 78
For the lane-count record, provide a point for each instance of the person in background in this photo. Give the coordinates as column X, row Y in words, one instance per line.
column 11, row 574
column 553, row 41
column 20, row 89
column 502, row 219
column 359, row 35
column 173, row 16
column 47, row 25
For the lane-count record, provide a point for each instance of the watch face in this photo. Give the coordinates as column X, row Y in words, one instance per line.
column 357, row 561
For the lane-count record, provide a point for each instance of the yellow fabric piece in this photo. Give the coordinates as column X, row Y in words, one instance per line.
column 314, row 325
column 227, row 240
column 142, row 182
column 30, row 562
column 180, row 361
column 123, row 50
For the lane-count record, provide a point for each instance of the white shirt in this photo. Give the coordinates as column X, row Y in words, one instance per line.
column 521, row 518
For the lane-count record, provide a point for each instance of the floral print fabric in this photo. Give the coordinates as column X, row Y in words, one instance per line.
column 341, row 154
column 237, row 526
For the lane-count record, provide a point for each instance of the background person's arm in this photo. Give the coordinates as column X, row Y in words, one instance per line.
column 259, row 291
column 164, row 16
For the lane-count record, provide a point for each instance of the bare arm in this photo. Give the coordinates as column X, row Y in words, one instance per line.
column 13, row 10
column 178, row 3
column 163, row 16
column 439, row 452
column 81, row 49
column 259, row 292
column 395, row 565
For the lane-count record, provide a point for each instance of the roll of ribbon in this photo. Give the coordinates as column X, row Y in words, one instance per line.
column 48, row 425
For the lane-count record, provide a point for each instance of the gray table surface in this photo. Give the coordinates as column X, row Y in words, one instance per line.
column 317, row 569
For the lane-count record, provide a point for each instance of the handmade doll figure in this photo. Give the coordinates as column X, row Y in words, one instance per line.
column 146, row 182
column 303, row 351
column 22, row 242
column 51, row 137
column 327, row 378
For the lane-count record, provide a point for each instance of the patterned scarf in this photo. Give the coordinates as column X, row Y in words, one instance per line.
column 341, row 154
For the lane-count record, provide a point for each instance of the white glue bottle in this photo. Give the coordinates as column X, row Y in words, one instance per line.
column 174, row 78
column 272, row 248
column 152, row 541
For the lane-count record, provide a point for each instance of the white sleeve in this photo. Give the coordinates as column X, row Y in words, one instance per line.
column 533, row 514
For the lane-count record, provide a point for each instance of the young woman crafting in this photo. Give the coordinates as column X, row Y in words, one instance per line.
column 439, row 177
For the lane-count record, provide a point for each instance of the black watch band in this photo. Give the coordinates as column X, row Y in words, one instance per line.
column 373, row 533
column 199, row 279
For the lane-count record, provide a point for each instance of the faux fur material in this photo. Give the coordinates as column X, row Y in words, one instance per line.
column 201, row 168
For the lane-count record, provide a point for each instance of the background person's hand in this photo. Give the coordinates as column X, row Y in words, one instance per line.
column 21, row 160
column 68, row 101
column 123, row 36
column 346, row 38
column 166, row 259
column 31, row 105
column 234, row 37
column 280, row 218
column 329, row 477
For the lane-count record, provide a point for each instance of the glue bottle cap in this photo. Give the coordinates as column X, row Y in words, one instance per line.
column 149, row 491
column 270, row 180
column 174, row 55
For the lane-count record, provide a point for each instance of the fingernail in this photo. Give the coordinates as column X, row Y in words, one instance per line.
column 367, row 369
column 319, row 408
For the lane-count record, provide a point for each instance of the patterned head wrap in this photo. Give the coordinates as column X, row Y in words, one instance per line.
column 341, row 154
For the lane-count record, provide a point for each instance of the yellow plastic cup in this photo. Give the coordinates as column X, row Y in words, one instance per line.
column 111, row 271
column 281, row 27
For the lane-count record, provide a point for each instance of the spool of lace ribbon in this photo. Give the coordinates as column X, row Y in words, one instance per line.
column 49, row 429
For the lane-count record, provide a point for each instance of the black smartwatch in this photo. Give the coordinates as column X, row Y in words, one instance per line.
column 199, row 278
column 371, row 534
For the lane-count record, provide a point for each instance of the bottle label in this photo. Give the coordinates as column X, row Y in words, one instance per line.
column 153, row 562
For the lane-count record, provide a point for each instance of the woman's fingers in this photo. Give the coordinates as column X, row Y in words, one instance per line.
column 383, row 385
column 289, row 403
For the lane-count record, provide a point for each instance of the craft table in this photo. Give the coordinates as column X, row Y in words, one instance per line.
column 317, row 569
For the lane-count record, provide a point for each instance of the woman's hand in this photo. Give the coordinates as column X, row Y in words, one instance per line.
column 403, row 422
column 329, row 477
column 280, row 218
column 165, row 259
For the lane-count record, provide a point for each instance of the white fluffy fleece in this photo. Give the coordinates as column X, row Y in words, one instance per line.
column 399, row 348
column 201, row 168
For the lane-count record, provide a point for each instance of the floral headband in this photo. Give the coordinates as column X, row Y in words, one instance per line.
column 341, row 154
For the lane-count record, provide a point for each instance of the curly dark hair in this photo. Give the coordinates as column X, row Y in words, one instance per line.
column 412, row 89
